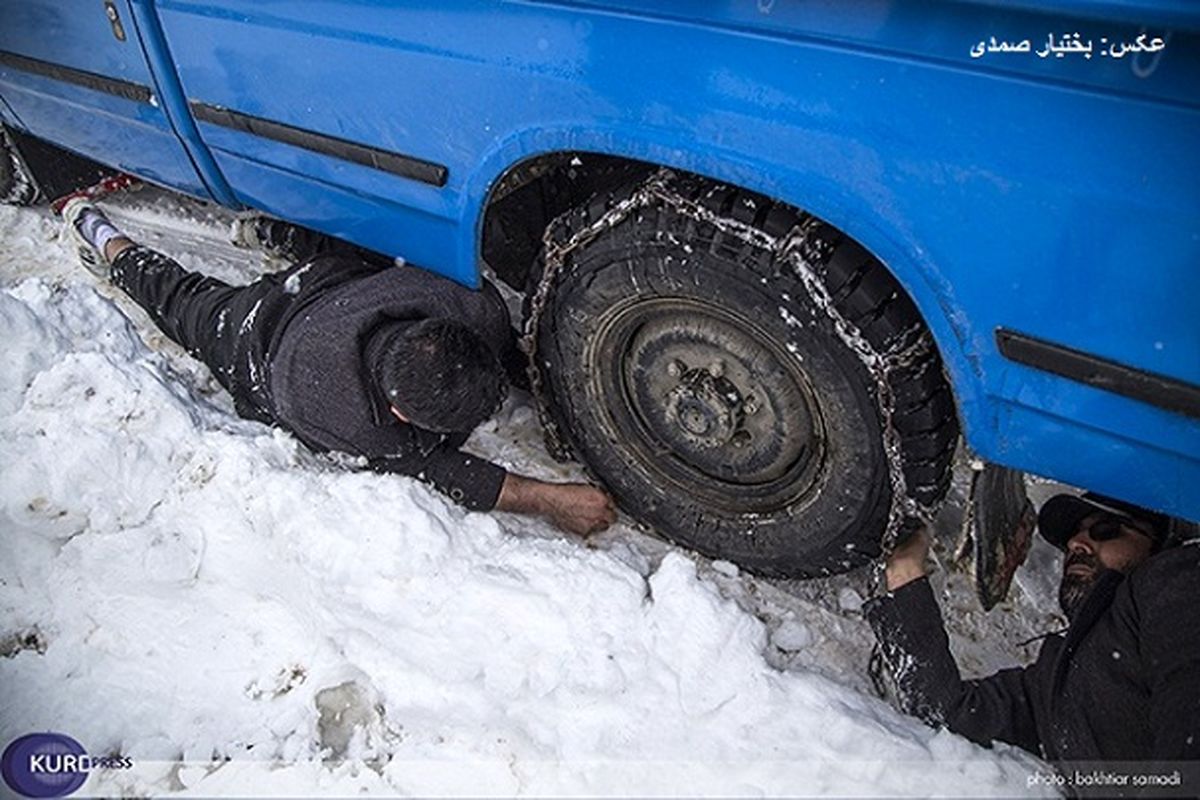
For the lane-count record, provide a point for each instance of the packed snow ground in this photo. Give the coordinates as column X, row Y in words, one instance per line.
column 178, row 585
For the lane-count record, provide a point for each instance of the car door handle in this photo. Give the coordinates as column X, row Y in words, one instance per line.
column 114, row 19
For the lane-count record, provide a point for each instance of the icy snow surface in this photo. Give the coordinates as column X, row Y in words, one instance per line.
column 179, row 585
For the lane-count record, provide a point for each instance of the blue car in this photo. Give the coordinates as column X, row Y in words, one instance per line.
column 777, row 256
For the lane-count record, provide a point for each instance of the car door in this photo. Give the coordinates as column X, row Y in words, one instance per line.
column 74, row 72
column 339, row 116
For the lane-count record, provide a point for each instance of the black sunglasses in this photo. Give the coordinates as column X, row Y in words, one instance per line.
column 1109, row 527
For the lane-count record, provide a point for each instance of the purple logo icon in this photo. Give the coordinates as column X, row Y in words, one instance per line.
column 45, row 765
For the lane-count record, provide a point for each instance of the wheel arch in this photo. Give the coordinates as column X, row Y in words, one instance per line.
column 858, row 211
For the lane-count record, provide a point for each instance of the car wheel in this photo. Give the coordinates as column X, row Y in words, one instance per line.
column 737, row 373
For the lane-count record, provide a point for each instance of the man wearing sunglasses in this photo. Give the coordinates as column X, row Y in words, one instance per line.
column 1121, row 683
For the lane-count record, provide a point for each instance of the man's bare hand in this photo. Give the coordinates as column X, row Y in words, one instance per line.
column 575, row 507
column 579, row 508
column 907, row 561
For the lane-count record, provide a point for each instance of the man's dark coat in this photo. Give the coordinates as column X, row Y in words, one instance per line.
column 297, row 349
column 1123, row 684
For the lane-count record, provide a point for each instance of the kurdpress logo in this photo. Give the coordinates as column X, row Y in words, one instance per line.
column 51, row 765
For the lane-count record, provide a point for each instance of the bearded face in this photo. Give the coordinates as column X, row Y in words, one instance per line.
column 1080, row 571
column 1102, row 542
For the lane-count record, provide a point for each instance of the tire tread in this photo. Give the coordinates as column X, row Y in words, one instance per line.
column 863, row 291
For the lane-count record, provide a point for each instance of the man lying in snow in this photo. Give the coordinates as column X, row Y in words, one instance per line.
column 1122, row 684
column 351, row 354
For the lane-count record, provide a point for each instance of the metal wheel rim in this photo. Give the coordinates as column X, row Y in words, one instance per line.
column 688, row 433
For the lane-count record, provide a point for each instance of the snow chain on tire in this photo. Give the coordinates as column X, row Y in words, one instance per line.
column 800, row 249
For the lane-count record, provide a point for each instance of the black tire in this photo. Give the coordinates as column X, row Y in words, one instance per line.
column 17, row 186
column 774, row 457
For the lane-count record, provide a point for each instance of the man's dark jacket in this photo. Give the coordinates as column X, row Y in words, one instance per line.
column 1123, row 683
column 310, row 331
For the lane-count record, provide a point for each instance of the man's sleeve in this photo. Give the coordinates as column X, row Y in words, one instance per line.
column 1170, row 643
column 908, row 625
column 469, row 480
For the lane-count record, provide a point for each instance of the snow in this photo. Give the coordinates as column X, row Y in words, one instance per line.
column 179, row 585
column 791, row 636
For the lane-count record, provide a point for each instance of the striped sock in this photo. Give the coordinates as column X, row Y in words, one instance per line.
column 96, row 228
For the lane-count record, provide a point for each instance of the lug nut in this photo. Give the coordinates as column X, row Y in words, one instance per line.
column 676, row 368
column 716, row 369
column 751, row 404
column 740, row 439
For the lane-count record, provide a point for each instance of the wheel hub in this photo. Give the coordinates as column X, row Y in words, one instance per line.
column 707, row 408
column 709, row 400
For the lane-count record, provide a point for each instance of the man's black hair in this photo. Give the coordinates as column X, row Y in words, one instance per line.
column 438, row 373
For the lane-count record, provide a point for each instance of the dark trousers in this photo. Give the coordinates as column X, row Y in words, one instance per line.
column 230, row 328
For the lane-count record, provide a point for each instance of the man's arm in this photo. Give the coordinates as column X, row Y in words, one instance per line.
column 469, row 480
column 481, row 485
column 574, row 507
column 908, row 625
